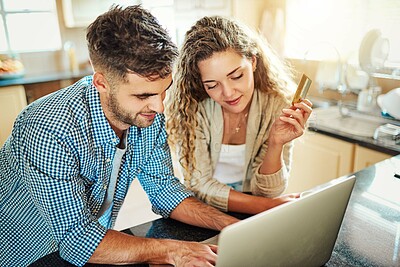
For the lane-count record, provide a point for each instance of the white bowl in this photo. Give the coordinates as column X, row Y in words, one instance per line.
column 390, row 103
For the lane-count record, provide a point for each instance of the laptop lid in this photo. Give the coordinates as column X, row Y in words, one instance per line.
column 299, row 233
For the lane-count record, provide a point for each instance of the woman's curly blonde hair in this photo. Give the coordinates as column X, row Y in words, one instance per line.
column 208, row 36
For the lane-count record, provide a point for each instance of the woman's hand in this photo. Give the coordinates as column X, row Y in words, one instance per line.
column 269, row 203
column 251, row 204
column 291, row 123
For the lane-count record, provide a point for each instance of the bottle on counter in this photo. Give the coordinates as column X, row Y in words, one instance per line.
column 70, row 57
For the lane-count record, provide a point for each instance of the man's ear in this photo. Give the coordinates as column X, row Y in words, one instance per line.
column 100, row 82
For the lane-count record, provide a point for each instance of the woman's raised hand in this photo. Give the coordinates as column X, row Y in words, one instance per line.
column 291, row 123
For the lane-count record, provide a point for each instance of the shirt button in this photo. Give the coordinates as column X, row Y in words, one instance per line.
column 105, row 187
column 108, row 160
column 114, row 140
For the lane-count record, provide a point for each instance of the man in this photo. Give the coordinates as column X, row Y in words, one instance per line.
column 67, row 166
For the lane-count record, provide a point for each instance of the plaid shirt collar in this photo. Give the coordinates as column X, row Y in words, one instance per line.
column 102, row 131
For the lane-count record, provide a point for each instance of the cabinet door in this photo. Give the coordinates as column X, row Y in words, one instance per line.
column 317, row 159
column 80, row 13
column 251, row 11
column 188, row 12
column 12, row 101
column 365, row 157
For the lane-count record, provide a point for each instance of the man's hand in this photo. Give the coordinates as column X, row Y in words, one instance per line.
column 195, row 254
column 121, row 248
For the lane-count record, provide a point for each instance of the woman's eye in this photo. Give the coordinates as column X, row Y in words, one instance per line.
column 237, row 77
column 211, row 87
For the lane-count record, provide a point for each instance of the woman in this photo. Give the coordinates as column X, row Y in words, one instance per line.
column 233, row 124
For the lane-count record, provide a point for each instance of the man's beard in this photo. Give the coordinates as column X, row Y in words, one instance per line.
column 125, row 116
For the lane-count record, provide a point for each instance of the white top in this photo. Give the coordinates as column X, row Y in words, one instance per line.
column 230, row 166
column 104, row 214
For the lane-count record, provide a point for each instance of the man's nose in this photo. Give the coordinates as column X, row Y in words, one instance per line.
column 157, row 104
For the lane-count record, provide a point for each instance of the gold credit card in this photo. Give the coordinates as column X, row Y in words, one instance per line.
column 302, row 89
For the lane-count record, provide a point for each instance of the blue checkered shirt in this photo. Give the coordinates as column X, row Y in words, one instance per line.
column 55, row 170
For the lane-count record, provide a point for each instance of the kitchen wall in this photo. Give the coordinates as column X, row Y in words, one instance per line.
column 259, row 14
column 310, row 68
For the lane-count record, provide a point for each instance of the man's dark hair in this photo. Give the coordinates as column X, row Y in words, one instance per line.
column 130, row 39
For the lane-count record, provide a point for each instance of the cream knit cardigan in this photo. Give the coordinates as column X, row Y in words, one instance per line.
column 263, row 111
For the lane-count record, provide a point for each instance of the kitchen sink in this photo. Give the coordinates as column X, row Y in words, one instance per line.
column 322, row 102
column 346, row 122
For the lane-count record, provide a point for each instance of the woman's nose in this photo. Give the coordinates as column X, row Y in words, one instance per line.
column 228, row 91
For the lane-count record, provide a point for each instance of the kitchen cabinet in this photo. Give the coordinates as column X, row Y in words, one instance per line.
column 35, row 91
column 365, row 157
column 80, row 13
column 251, row 12
column 188, row 12
column 12, row 101
column 318, row 158
column 14, row 98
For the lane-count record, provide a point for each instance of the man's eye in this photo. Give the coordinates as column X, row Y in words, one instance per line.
column 211, row 87
column 142, row 97
column 237, row 77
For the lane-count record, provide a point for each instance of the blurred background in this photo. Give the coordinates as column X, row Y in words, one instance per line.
column 321, row 37
column 349, row 48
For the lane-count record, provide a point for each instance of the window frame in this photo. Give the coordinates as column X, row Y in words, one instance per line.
column 3, row 16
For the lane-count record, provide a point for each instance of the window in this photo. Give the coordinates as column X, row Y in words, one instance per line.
column 163, row 10
column 29, row 26
column 329, row 27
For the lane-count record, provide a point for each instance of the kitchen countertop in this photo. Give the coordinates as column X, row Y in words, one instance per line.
column 369, row 235
column 329, row 121
column 45, row 77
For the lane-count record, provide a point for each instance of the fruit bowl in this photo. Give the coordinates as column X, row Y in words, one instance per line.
column 11, row 68
column 11, row 75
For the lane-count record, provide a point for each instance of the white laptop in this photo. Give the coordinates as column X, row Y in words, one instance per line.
column 300, row 233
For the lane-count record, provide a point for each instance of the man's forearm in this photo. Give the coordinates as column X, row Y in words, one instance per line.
column 121, row 248
column 193, row 211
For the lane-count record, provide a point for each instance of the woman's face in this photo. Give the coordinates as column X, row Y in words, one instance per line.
column 228, row 79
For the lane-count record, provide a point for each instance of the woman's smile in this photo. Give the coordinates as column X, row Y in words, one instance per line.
column 234, row 101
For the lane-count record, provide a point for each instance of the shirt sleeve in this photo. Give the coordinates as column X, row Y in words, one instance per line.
column 51, row 173
column 164, row 190
column 271, row 185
